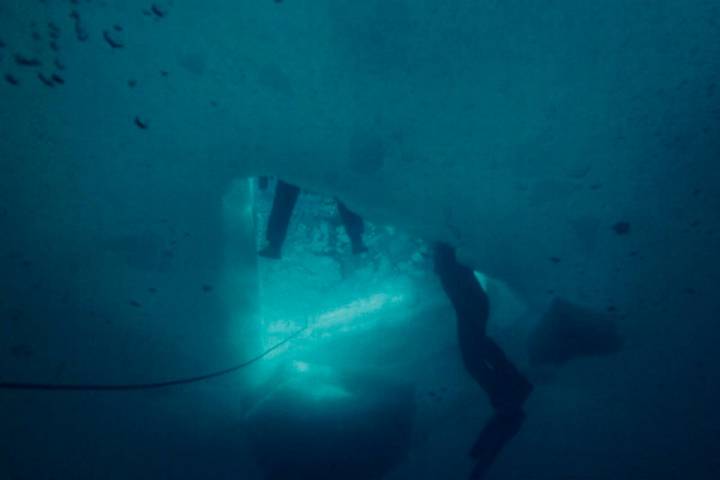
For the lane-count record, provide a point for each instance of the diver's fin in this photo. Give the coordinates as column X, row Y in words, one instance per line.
column 567, row 331
column 501, row 428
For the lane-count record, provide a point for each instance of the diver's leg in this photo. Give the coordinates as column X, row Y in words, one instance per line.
column 283, row 204
column 485, row 361
column 354, row 226
column 507, row 388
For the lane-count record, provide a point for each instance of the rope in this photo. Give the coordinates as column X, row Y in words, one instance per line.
column 146, row 386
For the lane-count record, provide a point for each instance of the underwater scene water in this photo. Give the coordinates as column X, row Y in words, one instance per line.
column 344, row 239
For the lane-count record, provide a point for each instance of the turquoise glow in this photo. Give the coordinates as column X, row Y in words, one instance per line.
column 360, row 314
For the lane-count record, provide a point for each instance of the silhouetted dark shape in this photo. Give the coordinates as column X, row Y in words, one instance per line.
column 47, row 81
column 621, row 228
column 567, row 331
column 507, row 388
column 354, row 226
column 11, row 79
column 286, row 196
column 158, row 10
column 140, row 123
column 110, row 40
column 24, row 61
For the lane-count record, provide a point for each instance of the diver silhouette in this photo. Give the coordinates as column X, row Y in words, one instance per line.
column 284, row 201
column 507, row 388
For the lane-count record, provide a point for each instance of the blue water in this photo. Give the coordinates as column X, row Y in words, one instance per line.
column 569, row 151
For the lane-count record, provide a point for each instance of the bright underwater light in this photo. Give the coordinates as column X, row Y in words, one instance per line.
column 360, row 314
column 351, row 316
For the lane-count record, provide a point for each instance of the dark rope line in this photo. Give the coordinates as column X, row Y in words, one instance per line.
column 145, row 386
